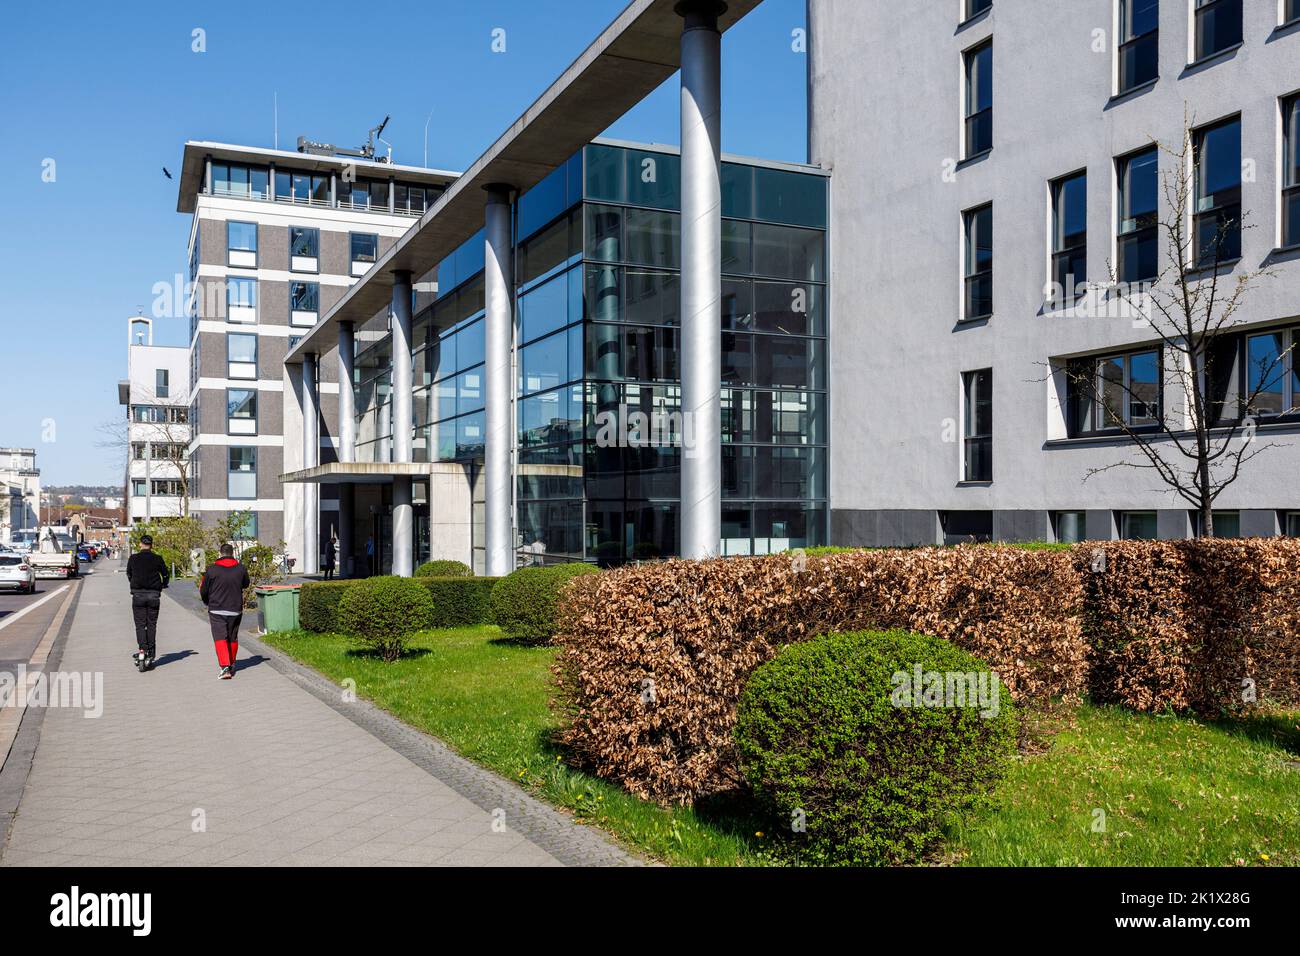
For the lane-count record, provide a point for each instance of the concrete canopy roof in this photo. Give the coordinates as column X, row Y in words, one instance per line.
column 192, row 167
column 631, row 57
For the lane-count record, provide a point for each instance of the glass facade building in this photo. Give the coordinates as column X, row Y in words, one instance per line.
column 599, row 429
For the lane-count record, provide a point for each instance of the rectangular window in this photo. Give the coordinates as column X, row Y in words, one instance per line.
column 241, row 244
column 304, row 303
column 1290, row 12
column 1218, row 26
column 1291, row 171
column 979, row 99
column 977, row 430
column 1273, row 373
column 138, row 486
column 162, row 383
column 363, row 251
column 1070, row 526
column 302, row 188
column 1070, row 235
column 241, row 411
column 975, row 7
column 304, row 249
column 1126, row 390
column 1138, row 237
column 979, row 263
column 241, row 182
column 1139, row 45
column 1137, row 525
column 241, row 299
column 241, row 355
column 1216, row 155
column 241, row 477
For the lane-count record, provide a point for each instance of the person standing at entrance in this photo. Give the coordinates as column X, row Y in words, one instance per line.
column 331, row 552
column 370, row 554
column 147, row 575
column 222, row 590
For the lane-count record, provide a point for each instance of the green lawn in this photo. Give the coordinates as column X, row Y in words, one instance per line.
column 487, row 698
column 1174, row 791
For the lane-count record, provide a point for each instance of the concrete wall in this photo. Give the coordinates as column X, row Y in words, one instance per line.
column 886, row 111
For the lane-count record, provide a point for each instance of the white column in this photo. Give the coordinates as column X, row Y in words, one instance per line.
column 403, row 515
column 701, row 282
column 499, row 282
column 310, row 459
column 347, row 397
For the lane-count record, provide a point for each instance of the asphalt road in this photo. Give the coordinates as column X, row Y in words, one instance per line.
column 25, row 617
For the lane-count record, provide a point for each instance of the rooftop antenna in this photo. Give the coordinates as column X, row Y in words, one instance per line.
column 364, row 151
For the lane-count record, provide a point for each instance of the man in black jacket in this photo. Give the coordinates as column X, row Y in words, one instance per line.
column 147, row 575
column 222, row 590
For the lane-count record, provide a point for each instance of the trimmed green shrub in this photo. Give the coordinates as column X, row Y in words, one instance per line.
column 831, row 736
column 460, row 601
column 444, row 569
column 383, row 612
column 318, row 603
column 524, row 601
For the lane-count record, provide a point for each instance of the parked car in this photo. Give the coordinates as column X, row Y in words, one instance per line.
column 16, row 573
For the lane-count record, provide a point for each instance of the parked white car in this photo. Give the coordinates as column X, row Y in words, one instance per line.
column 16, row 573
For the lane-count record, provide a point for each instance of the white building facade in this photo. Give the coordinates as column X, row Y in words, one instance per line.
column 155, row 394
column 978, row 150
column 20, row 492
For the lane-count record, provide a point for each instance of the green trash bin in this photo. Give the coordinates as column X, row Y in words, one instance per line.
column 277, row 607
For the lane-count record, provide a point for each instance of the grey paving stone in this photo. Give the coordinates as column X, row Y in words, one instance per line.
column 282, row 770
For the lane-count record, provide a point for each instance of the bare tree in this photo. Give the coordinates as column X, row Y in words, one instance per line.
column 1198, row 443
column 162, row 430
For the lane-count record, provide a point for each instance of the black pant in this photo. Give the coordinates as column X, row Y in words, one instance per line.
column 144, row 608
column 225, row 627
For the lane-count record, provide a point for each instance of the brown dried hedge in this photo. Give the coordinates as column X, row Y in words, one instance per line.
column 1181, row 624
column 653, row 657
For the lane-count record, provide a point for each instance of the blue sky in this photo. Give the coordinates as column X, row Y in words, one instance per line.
column 110, row 92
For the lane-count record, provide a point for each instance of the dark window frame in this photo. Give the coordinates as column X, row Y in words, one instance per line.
column 1137, row 43
column 230, row 449
column 352, row 250
column 1095, row 396
column 974, row 279
column 256, row 241
column 1290, row 225
column 304, row 232
column 1146, row 225
column 254, row 361
column 1226, row 207
column 977, row 132
column 1077, row 249
column 977, row 441
column 255, row 417
column 1201, row 11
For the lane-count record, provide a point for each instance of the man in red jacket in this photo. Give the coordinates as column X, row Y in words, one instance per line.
column 222, row 590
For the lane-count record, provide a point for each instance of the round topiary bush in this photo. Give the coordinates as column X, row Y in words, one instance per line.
column 444, row 569
column 524, row 601
column 382, row 613
column 864, row 744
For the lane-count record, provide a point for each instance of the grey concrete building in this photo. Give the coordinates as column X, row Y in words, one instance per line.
column 980, row 150
column 277, row 238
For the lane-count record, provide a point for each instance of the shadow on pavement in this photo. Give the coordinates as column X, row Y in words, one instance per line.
column 246, row 662
column 173, row 656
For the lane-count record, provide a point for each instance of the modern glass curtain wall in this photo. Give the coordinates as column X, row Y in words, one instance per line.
column 599, row 430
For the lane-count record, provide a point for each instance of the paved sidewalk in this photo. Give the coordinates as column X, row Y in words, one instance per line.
column 273, row 772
